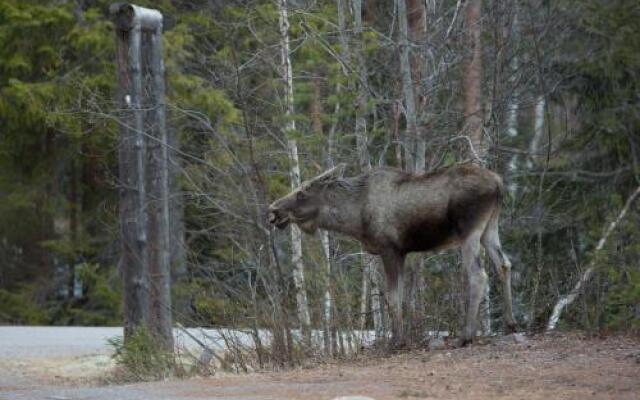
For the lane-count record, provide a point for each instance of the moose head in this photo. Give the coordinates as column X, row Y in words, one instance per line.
column 304, row 205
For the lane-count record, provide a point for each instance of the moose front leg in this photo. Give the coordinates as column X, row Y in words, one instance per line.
column 393, row 268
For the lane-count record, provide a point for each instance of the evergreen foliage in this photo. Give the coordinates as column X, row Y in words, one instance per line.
column 58, row 154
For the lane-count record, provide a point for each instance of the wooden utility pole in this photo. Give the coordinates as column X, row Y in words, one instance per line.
column 144, row 172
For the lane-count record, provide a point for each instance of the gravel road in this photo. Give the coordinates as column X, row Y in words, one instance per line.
column 51, row 364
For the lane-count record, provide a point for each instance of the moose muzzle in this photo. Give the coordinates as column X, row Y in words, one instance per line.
column 277, row 218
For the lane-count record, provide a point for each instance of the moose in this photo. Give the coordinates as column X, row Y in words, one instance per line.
column 393, row 213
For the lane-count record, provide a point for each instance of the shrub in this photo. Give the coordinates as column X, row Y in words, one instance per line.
column 142, row 357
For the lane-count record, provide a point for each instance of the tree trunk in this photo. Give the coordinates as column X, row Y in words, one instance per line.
column 417, row 15
column 75, row 211
column 362, row 99
column 538, row 131
column 327, row 304
column 364, row 161
column 409, row 139
column 472, row 82
column 327, row 314
column 513, row 102
column 296, row 234
column 486, row 309
column 296, row 252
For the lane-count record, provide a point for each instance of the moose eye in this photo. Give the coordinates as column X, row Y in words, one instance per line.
column 301, row 196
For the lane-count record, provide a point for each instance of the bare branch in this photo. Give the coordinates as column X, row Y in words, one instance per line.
column 577, row 289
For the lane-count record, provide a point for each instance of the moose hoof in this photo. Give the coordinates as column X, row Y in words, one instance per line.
column 395, row 345
column 463, row 342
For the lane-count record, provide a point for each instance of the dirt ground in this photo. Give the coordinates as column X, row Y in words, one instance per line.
column 542, row 367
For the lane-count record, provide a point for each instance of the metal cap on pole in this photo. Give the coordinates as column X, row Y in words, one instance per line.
column 126, row 16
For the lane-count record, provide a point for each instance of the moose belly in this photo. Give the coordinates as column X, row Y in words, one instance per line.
column 426, row 236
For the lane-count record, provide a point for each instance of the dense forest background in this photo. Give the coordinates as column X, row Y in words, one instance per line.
column 558, row 89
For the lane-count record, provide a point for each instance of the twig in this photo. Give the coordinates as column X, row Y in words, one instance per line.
column 473, row 150
column 455, row 16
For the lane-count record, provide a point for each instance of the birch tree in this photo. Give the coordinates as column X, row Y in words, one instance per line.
column 294, row 170
column 371, row 264
column 327, row 300
column 538, row 131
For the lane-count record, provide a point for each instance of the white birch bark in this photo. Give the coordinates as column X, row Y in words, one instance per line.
column 328, row 301
column 486, row 315
column 513, row 105
column 374, row 265
column 364, row 160
column 296, row 234
column 512, row 116
column 569, row 298
column 538, row 131
column 512, row 130
column 296, row 249
column 364, row 296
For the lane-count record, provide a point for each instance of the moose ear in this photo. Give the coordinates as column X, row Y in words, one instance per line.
column 332, row 174
column 339, row 170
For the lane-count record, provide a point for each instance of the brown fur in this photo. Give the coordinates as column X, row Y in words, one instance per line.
column 394, row 213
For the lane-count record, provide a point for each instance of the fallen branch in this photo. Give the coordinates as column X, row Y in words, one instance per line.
column 577, row 289
column 208, row 352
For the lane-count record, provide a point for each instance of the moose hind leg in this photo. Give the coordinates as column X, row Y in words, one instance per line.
column 393, row 266
column 491, row 242
column 477, row 279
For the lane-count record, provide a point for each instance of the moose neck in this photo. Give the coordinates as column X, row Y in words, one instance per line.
column 342, row 212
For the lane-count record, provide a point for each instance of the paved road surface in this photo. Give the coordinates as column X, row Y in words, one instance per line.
column 62, row 363
column 45, row 342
